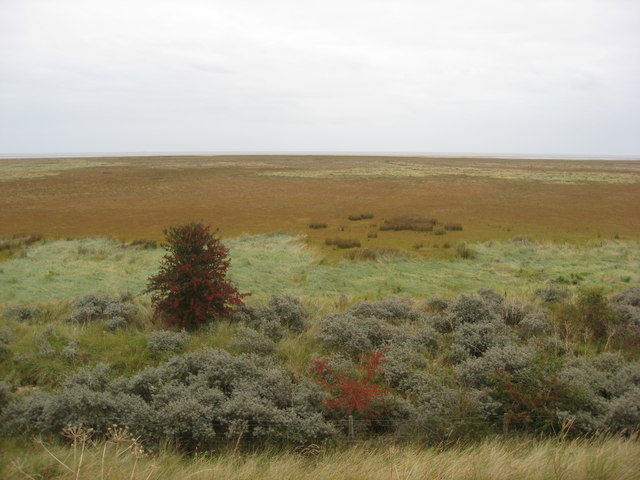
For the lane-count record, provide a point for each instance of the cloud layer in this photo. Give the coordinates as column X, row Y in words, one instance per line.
column 543, row 76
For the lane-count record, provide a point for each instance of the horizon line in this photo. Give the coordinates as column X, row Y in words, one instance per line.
column 118, row 154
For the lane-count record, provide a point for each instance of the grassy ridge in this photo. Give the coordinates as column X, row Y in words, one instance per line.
column 513, row 459
column 278, row 263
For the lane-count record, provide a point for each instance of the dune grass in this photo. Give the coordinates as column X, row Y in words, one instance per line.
column 279, row 263
column 492, row 459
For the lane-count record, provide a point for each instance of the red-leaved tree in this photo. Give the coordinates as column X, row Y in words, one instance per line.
column 352, row 393
column 191, row 287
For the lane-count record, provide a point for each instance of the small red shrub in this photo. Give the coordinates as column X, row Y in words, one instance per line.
column 352, row 393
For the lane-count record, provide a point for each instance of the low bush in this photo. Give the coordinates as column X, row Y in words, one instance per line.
column 464, row 252
column 343, row 242
column 282, row 311
column 162, row 341
column 290, row 311
column 552, row 294
column 317, row 225
column 469, row 309
column 352, row 335
column 479, row 372
column 392, row 309
column 114, row 313
column 534, row 323
column 409, row 222
column 261, row 318
column 453, row 226
column 513, row 312
column 477, row 338
column 248, row 340
column 21, row 313
column 623, row 413
column 360, row 216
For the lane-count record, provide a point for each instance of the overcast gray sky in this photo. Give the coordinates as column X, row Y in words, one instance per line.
column 475, row 76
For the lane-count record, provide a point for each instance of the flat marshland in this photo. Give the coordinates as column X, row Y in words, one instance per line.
column 500, row 298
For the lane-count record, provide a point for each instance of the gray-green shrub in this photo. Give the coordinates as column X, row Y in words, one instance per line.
column 469, row 309
column 115, row 313
column 290, row 311
column 248, row 340
column 478, row 372
column 193, row 400
column 21, row 312
column 167, row 341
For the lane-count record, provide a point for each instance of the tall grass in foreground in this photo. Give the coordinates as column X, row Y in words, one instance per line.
column 493, row 459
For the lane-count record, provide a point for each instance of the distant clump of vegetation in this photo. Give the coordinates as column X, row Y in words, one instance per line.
column 317, row 225
column 453, row 226
column 342, row 242
column 360, row 216
column 409, row 222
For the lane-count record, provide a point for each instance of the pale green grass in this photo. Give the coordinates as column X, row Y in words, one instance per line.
column 415, row 169
column 275, row 264
column 494, row 459
column 30, row 168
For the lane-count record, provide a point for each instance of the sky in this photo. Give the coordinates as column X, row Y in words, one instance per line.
column 550, row 77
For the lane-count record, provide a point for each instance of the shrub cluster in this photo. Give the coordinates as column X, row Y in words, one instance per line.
column 114, row 313
column 195, row 401
column 280, row 313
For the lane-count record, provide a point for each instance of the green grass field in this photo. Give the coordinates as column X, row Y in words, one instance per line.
column 275, row 264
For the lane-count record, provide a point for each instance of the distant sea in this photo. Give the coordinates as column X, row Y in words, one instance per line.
column 521, row 156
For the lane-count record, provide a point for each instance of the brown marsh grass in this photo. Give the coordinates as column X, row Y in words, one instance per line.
column 137, row 197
